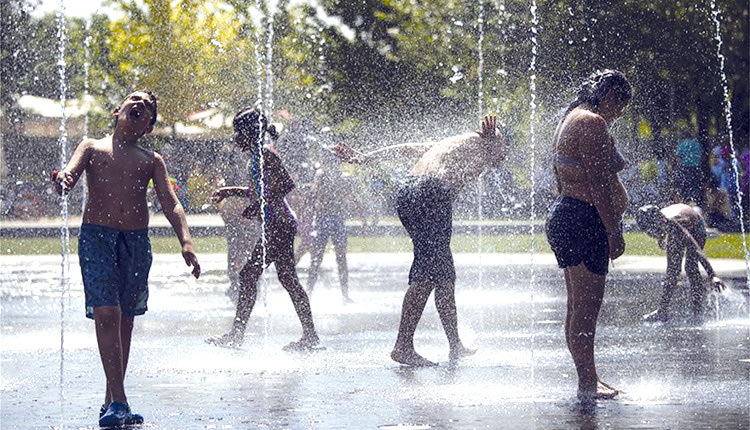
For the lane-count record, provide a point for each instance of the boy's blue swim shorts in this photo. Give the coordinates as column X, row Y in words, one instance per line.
column 114, row 266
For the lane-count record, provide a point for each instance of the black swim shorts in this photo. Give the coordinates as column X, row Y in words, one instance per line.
column 425, row 209
column 577, row 235
column 276, row 245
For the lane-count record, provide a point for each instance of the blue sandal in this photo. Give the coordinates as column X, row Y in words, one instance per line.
column 130, row 419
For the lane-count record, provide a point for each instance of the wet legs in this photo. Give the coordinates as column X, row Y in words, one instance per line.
column 113, row 335
column 697, row 285
column 445, row 302
column 340, row 247
column 289, row 280
column 411, row 312
column 248, row 292
column 316, row 258
column 585, row 293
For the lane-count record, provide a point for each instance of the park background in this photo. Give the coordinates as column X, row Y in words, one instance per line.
column 371, row 74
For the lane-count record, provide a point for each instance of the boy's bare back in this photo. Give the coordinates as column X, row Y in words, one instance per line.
column 462, row 158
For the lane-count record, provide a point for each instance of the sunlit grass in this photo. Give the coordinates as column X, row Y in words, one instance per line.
column 724, row 246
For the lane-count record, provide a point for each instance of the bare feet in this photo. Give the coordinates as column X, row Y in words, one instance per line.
column 304, row 344
column 410, row 358
column 460, row 352
column 603, row 391
column 229, row 340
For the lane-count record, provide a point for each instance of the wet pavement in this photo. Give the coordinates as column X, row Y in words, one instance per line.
column 671, row 376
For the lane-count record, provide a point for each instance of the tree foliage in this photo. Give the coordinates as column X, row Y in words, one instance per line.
column 190, row 52
column 408, row 66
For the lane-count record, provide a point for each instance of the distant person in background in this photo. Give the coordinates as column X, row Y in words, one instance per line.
column 716, row 208
column 332, row 195
column 294, row 149
column 303, row 199
column 584, row 225
column 745, row 183
column 716, row 162
column 681, row 230
column 689, row 176
column 663, row 163
column 241, row 232
column 425, row 207
column 728, row 182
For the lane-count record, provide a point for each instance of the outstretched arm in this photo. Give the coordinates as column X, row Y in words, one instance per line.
column 348, row 154
column 66, row 179
column 225, row 192
column 716, row 282
column 174, row 212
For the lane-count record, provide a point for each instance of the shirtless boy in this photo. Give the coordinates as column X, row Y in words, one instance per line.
column 681, row 230
column 113, row 245
column 425, row 208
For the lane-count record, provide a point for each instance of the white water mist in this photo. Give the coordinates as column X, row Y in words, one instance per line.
column 728, row 115
column 62, row 38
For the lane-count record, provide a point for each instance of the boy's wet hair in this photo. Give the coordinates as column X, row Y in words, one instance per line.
column 152, row 99
column 252, row 124
column 595, row 88
column 648, row 218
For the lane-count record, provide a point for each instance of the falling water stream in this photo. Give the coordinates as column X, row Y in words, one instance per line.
column 480, row 108
column 86, row 95
column 532, row 140
column 728, row 114
column 270, row 12
column 64, row 231
column 259, row 103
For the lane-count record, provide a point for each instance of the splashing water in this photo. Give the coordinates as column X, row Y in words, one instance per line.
column 64, row 230
column 269, row 57
column 728, row 304
column 728, row 114
column 532, row 137
column 480, row 107
column 257, row 55
column 259, row 103
column 86, row 95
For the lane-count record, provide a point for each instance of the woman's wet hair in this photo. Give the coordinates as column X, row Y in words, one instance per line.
column 593, row 90
column 252, row 124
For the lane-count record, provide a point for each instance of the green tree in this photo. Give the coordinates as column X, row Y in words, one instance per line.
column 191, row 53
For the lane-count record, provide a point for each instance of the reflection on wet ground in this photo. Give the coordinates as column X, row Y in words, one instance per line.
column 671, row 376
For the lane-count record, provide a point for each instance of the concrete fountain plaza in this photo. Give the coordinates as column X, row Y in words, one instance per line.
column 671, row 376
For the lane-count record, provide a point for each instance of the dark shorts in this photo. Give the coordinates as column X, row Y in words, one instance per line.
column 329, row 226
column 577, row 235
column 425, row 209
column 278, row 246
column 114, row 267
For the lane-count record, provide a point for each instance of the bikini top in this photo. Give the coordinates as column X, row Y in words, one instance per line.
column 574, row 166
column 562, row 160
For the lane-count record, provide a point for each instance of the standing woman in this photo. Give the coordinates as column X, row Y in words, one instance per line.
column 584, row 224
